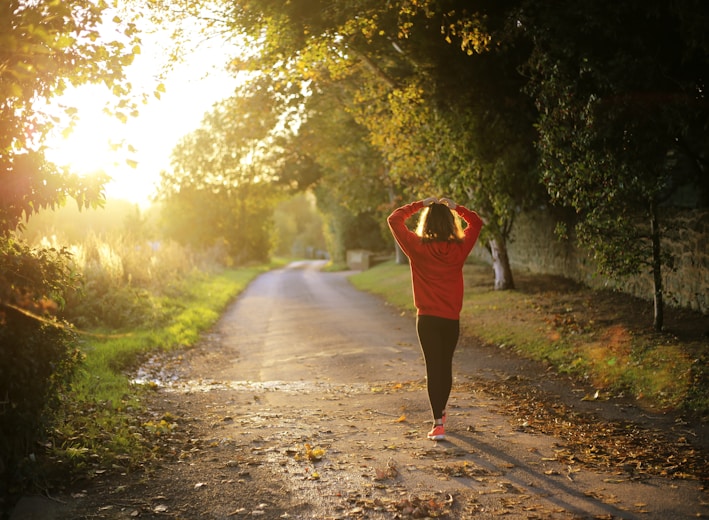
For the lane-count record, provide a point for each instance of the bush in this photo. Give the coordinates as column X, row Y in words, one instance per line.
column 37, row 353
column 117, row 283
column 124, row 280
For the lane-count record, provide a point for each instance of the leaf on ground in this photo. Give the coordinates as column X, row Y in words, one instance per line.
column 311, row 453
column 589, row 397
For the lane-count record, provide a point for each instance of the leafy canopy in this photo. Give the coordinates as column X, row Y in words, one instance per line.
column 46, row 47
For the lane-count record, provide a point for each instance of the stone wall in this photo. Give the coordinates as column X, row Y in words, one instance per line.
column 535, row 248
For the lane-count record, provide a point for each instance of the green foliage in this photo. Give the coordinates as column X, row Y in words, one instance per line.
column 223, row 186
column 437, row 118
column 464, row 99
column 349, row 176
column 345, row 229
column 37, row 353
column 37, row 361
column 32, row 278
column 351, row 171
column 298, row 227
column 623, row 122
column 46, row 47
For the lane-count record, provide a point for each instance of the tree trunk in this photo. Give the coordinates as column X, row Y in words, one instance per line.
column 501, row 264
column 656, row 268
column 401, row 258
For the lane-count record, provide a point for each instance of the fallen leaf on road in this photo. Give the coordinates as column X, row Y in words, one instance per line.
column 314, row 453
column 593, row 397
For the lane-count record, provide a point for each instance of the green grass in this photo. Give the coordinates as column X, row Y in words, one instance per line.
column 389, row 280
column 561, row 327
column 202, row 301
column 100, row 420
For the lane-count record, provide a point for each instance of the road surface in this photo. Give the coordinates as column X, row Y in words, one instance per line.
column 307, row 401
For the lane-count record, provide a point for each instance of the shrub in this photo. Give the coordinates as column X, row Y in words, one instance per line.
column 37, row 353
column 124, row 280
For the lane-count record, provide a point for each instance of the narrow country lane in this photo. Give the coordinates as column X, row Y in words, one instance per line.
column 308, row 401
column 301, row 324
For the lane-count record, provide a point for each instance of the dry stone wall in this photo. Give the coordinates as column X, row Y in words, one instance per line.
column 536, row 248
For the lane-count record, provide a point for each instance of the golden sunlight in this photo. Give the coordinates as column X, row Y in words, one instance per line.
column 135, row 152
column 89, row 147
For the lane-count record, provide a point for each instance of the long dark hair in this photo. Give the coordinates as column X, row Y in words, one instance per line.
column 437, row 223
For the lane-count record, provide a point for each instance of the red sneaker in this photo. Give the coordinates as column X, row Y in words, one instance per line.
column 438, row 433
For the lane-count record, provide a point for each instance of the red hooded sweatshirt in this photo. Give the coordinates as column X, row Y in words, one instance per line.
column 436, row 267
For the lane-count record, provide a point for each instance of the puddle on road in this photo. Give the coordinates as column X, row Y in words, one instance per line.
column 209, row 385
column 155, row 372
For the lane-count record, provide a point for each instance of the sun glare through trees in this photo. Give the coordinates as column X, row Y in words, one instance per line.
column 133, row 151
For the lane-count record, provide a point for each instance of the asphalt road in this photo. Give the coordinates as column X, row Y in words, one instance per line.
column 307, row 401
column 328, row 353
column 302, row 324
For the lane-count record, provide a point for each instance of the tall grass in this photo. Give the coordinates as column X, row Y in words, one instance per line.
column 131, row 282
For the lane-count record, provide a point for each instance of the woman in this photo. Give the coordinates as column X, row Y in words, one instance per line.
column 437, row 252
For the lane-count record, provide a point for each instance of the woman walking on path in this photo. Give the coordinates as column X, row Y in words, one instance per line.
column 437, row 252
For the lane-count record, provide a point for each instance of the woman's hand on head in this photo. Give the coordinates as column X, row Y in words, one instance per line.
column 429, row 200
column 448, row 202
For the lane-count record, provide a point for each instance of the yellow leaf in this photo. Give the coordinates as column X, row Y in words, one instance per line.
column 315, row 453
column 401, row 419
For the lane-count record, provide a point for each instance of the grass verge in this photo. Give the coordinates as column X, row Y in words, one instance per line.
column 99, row 424
column 605, row 338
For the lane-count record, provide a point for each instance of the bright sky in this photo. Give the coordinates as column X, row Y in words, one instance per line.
column 191, row 90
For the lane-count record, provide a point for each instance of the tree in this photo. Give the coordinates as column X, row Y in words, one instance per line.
column 299, row 227
column 224, row 183
column 482, row 130
column 352, row 187
column 46, row 46
column 444, row 118
column 621, row 94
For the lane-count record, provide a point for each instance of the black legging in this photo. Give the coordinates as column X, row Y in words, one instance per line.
column 438, row 338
